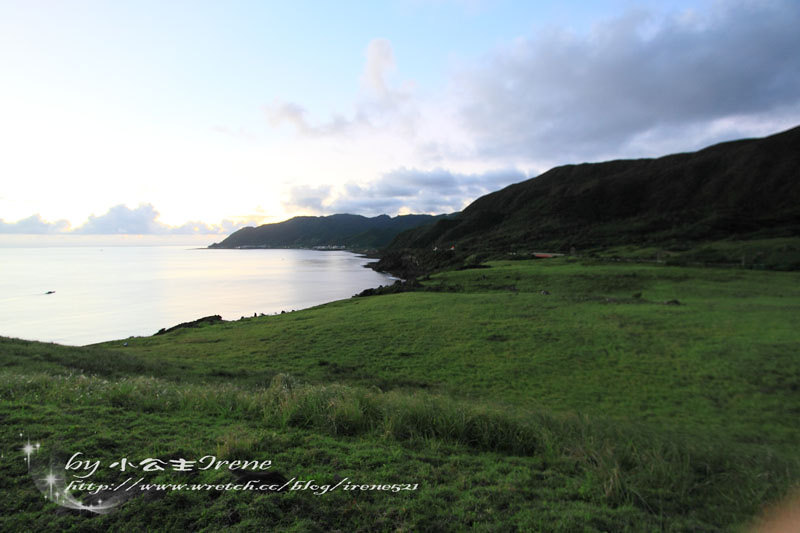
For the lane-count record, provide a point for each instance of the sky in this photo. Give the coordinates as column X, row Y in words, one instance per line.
column 185, row 117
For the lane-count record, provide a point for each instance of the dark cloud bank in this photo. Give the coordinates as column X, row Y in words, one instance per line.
column 433, row 191
column 639, row 83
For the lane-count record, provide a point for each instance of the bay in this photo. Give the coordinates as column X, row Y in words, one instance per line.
column 104, row 292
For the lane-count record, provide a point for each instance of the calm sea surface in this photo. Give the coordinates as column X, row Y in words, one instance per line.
column 113, row 292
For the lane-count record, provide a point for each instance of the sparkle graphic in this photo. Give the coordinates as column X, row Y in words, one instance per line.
column 51, row 480
column 52, row 483
column 28, row 449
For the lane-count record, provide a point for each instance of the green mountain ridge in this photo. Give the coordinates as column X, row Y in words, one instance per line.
column 744, row 189
column 340, row 230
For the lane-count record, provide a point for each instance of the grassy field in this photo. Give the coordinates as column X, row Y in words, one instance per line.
column 551, row 395
column 779, row 253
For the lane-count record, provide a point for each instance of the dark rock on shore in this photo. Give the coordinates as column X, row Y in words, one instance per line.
column 409, row 264
column 398, row 286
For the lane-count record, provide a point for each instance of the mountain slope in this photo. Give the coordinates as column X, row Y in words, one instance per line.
column 352, row 231
column 746, row 188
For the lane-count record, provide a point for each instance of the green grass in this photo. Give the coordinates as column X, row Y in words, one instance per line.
column 780, row 253
column 595, row 406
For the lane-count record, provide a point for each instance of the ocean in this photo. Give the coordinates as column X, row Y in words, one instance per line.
column 105, row 291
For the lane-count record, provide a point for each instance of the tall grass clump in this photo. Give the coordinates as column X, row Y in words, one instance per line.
column 344, row 410
column 428, row 416
column 337, row 409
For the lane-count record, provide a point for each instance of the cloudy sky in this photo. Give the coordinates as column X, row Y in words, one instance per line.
column 188, row 116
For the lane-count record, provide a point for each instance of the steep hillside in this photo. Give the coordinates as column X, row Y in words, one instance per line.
column 743, row 189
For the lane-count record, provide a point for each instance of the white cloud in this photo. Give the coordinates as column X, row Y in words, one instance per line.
column 122, row 220
column 308, row 198
column 293, row 114
column 380, row 61
column 381, row 108
column 34, row 224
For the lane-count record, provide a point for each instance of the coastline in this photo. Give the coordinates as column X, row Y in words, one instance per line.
column 154, row 287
